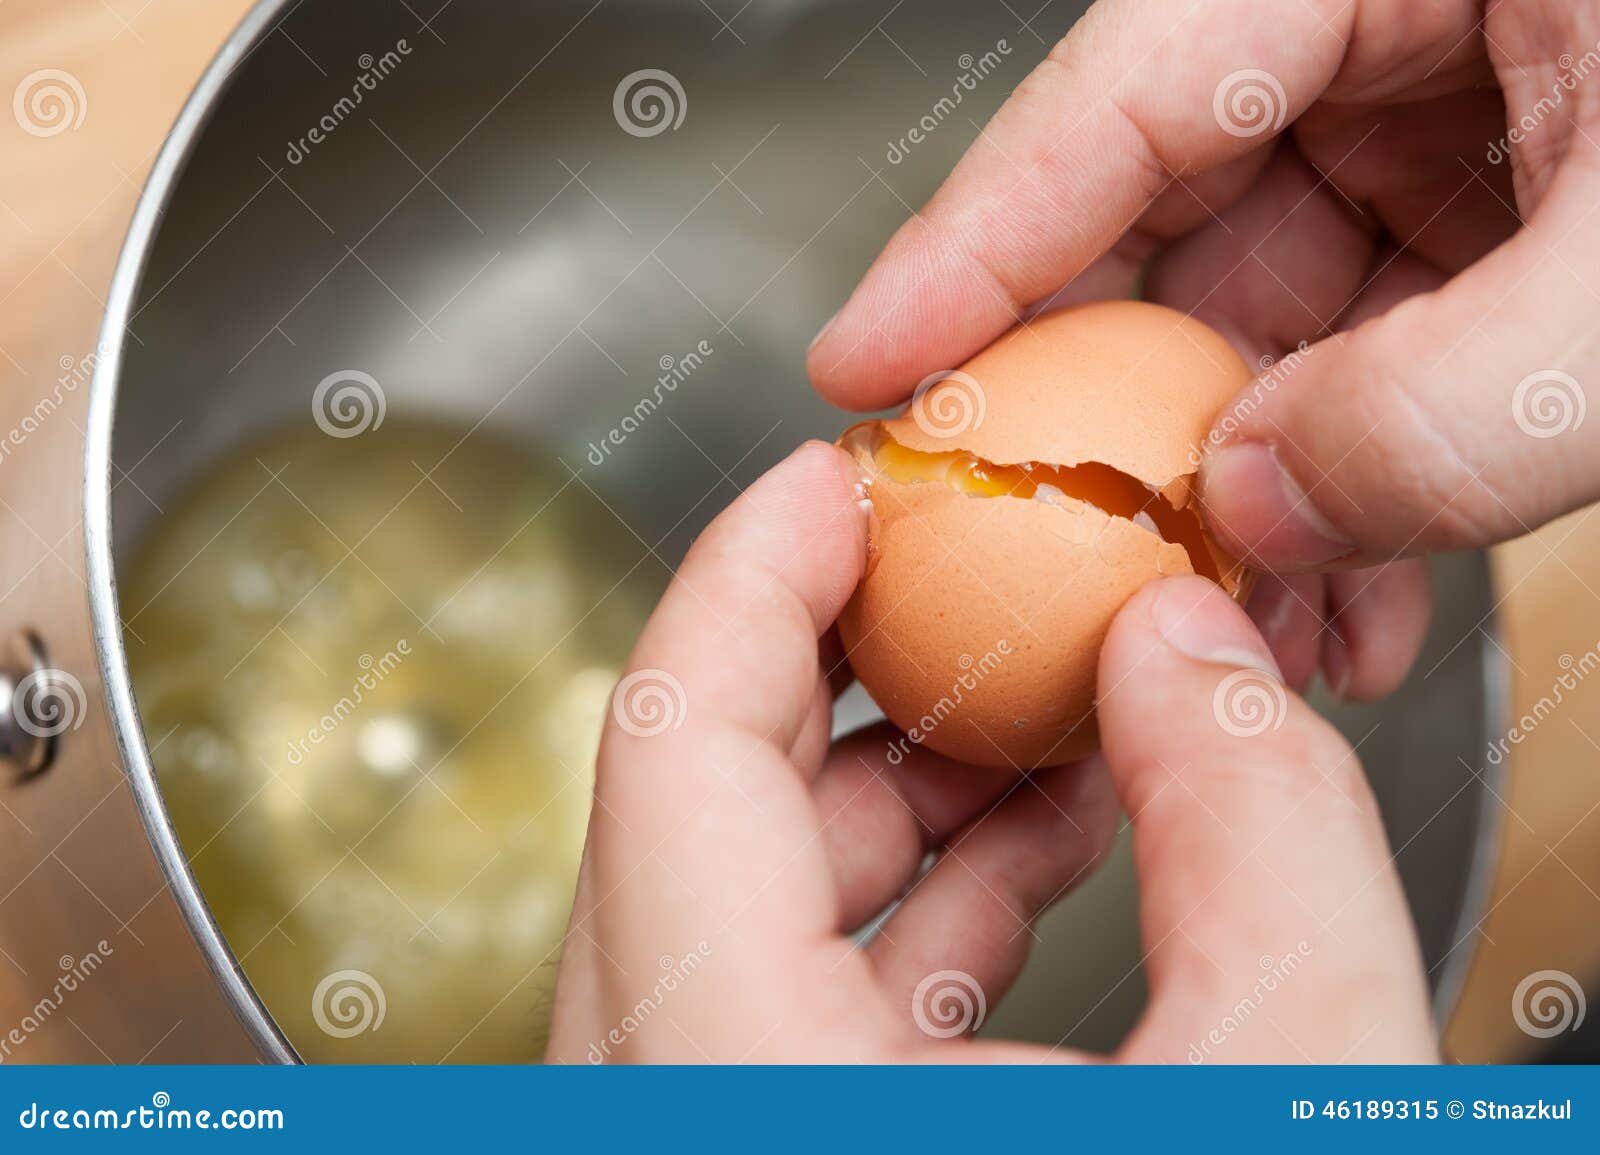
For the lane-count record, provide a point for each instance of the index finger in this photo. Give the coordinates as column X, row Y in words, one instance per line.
column 697, row 746
column 1135, row 95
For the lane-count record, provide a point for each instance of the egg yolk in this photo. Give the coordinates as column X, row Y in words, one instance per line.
column 1110, row 490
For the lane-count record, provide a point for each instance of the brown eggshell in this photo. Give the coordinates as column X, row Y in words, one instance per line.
column 957, row 577
column 959, row 581
column 1126, row 383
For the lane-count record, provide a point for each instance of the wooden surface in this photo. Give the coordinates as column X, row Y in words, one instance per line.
column 65, row 200
column 1544, row 912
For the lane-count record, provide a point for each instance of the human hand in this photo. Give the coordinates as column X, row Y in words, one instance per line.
column 733, row 850
column 1357, row 204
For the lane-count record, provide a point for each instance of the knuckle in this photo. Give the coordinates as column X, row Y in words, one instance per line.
column 1332, row 769
column 1388, row 446
column 788, row 656
column 1046, row 174
column 1274, row 758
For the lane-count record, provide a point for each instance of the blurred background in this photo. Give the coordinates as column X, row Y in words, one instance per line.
column 460, row 322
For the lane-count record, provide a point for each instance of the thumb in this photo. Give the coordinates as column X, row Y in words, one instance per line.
column 1273, row 922
column 1453, row 419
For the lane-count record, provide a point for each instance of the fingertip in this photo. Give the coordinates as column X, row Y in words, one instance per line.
column 844, row 359
column 855, row 364
column 1260, row 512
column 1337, row 664
column 789, row 550
column 816, row 500
column 831, row 468
column 823, row 367
column 823, row 372
column 1163, row 658
column 853, row 361
column 922, row 308
column 1190, row 616
column 816, row 478
column 1288, row 609
column 1377, row 624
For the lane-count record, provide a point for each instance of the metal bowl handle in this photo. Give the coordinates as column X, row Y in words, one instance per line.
column 37, row 703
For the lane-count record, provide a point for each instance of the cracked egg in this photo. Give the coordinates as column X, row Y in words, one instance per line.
column 1017, row 504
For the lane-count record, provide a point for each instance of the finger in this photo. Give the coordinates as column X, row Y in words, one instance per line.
column 1265, row 878
column 970, row 919
column 1114, row 276
column 1291, row 613
column 1183, row 206
column 1192, row 199
column 1362, row 628
column 1277, row 267
column 1377, row 621
column 1293, row 221
column 1454, row 419
column 1403, row 161
column 1395, row 276
column 816, row 733
column 835, row 665
column 720, row 689
column 884, row 804
column 1076, row 155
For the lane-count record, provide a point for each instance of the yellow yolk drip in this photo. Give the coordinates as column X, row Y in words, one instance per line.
column 1108, row 489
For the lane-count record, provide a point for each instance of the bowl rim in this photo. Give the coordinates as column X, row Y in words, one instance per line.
column 110, row 650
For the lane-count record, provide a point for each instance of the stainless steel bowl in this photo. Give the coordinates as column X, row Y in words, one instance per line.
column 496, row 234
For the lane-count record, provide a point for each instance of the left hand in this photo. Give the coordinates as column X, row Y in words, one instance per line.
column 733, row 850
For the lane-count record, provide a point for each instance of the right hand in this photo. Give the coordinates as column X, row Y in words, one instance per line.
column 1450, row 301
